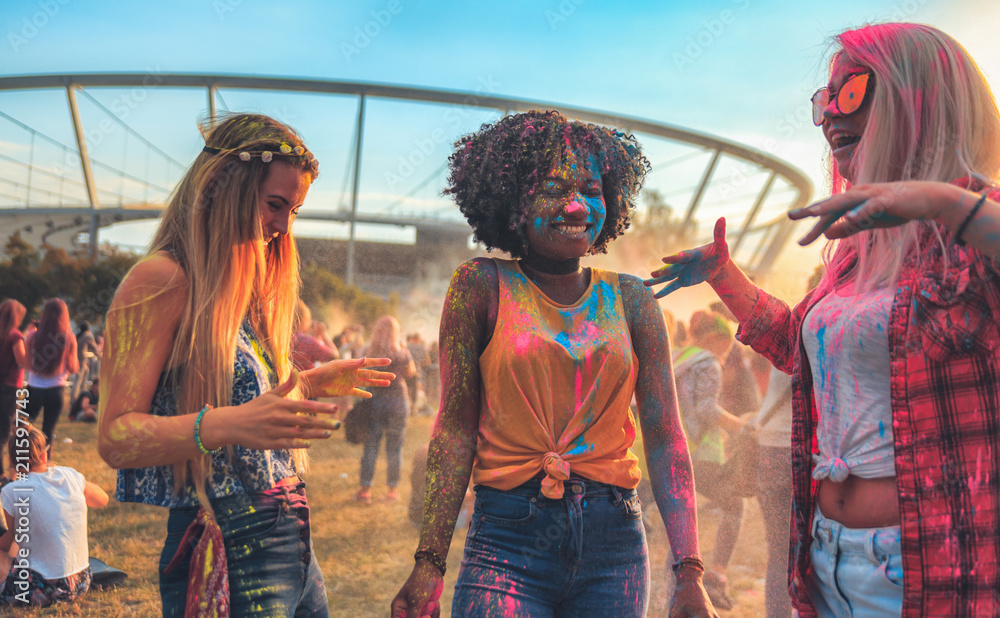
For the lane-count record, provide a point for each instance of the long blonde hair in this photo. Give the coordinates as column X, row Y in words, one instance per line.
column 212, row 228
column 385, row 338
column 49, row 347
column 932, row 117
column 27, row 443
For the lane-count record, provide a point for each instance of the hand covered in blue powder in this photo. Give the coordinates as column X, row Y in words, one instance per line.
column 693, row 266
column 876, row 205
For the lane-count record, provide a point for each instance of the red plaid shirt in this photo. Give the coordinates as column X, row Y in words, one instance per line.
column 944, row 365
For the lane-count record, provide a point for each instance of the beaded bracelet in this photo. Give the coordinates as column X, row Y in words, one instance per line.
column 197, row 432
column 692, row 561
column 433, row 557
column 968, row 219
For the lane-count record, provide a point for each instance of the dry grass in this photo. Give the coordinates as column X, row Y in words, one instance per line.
column 365, row 552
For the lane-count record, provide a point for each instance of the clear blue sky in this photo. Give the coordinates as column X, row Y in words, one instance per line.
column 739, row 69
column 620, row 56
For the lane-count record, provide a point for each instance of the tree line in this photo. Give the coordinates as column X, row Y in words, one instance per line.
column 88, row 284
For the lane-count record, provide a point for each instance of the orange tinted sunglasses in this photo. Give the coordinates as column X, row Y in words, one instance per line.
column 848, row 99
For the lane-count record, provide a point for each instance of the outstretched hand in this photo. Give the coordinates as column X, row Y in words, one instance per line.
column 270, row 421
column 420, row 595
column 338, row 378
column 886, row 204
column 693, row 266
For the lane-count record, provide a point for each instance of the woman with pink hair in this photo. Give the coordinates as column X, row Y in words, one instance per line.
column 52, row 350
column 13, row 360
column 895, row 356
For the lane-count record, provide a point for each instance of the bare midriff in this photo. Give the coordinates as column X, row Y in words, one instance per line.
column 860, row 503
column 294, row 479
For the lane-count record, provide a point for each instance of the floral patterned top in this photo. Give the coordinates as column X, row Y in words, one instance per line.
column 248, row 471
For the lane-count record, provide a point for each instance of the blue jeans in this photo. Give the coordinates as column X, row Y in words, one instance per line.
column 528, row 555
column 855, row 571
column 272, row 571
column 388, row 416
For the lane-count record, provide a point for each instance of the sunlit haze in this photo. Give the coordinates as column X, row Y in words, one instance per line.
column 742, row 70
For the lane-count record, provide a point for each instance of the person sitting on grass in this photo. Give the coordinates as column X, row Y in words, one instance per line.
column 54, row 499
column 84, row 407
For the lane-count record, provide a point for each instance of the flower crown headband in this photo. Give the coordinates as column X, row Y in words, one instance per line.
column 268, row 155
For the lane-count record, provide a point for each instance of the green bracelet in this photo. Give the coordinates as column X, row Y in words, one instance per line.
column 197, row 432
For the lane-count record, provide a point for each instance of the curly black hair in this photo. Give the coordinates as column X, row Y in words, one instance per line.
column 494, row 172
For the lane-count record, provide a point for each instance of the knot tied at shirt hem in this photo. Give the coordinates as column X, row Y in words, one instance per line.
column 556, row 471
column 835, row 469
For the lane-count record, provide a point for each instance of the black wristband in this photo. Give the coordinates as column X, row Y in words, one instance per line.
column 433, row 557
column 968, row 219
column 692, row 561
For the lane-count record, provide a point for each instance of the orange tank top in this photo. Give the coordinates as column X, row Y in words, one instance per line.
column 555, row 369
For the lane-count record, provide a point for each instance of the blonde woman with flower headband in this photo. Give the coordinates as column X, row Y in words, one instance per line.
column 895, row 356
column 202, row 412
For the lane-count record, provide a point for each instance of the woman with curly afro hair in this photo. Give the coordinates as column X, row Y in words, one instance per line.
column 540, row 359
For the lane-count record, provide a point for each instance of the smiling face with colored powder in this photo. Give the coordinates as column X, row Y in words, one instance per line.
column 507, row 175
column 843, row 131
column 567, row 210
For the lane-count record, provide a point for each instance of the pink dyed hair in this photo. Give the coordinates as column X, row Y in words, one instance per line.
column 932, row 117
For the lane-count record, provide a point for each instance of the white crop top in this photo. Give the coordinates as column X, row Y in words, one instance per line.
column 848, row 350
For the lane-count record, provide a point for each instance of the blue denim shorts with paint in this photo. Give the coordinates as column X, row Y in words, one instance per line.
column 855, row 571
column 272, row 570
column 527, row 555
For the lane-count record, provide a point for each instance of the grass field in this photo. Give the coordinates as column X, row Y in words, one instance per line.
column 365, row 552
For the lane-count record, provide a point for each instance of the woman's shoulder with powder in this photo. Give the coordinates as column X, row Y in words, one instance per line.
column 157, row 276
column 475, row 276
